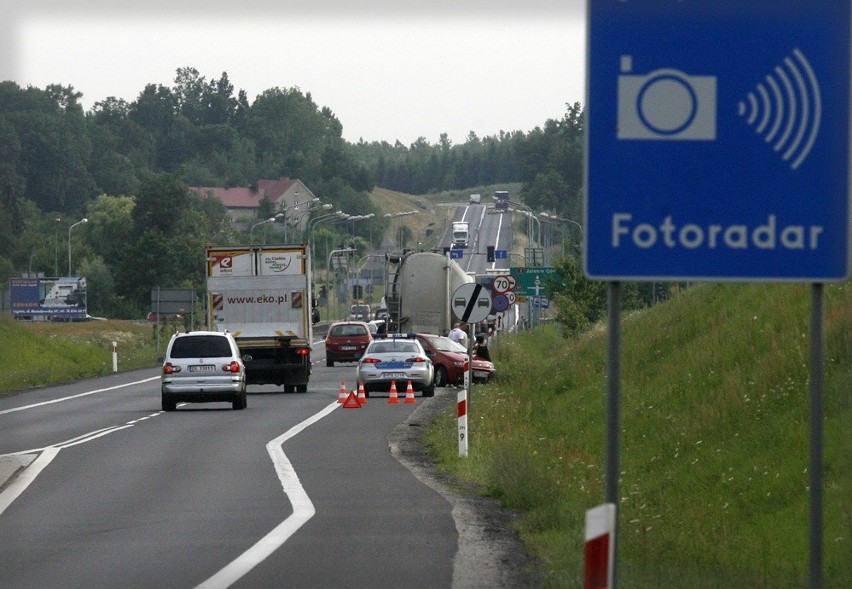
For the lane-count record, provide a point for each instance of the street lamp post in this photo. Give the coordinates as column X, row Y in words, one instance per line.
column 313, row 223
column 554, row 218
column 264, row 222
column 398, row 232
column 346, row 251
column 81, row 221
column 295, row 206
column 56, row 247
column 297, row 218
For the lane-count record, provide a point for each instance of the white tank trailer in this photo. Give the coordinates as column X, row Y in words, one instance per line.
column 418, row 291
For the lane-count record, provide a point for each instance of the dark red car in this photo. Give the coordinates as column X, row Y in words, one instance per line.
column 346, row 341
column 450, row 358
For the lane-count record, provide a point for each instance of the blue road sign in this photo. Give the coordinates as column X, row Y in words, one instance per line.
column 500, row 254
column 718, row 140
column 456, row 254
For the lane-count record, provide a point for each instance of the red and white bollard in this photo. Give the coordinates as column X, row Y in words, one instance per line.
column 115, row 356
column 462, row 421
column 600, row 546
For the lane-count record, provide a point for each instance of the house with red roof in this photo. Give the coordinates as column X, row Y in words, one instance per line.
column 285, row 194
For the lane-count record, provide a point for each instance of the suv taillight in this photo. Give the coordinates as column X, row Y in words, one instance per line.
column 232, row 367
column 417, row 359
column 169, row 368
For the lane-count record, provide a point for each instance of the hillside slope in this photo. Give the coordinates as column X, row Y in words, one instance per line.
column 714, row 442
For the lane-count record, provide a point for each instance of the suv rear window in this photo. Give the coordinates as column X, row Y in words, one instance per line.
column 348, row 330
column 201, row 346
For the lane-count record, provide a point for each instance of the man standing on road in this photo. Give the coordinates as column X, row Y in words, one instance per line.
column 458, row 335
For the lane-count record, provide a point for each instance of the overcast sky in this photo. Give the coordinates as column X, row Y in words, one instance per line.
column 388, row 69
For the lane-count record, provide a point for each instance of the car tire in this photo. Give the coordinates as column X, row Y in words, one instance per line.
column 237, row 403
column 440, row 380
column 168, row 404
column 301, row 388
column 429, row 392
column 329, row 361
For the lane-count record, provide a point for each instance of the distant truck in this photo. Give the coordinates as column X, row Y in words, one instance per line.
column 262, row 296
column 359, row 312
column 418, row 291
column 502, row 198
column 461, row 234
column 475, row 199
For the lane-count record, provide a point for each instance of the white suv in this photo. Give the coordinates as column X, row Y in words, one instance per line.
column 203, row 367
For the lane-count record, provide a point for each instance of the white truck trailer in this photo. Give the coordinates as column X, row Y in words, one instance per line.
column 262, row 295
column 461, row 234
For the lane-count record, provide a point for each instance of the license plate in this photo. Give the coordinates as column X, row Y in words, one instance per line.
column 347, row 348
column 204, row 368
column 393, row 374
column 479, row 374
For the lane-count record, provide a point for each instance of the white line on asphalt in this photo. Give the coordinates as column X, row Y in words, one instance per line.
column 303, row 510
column 23, row 480
column 61, row 399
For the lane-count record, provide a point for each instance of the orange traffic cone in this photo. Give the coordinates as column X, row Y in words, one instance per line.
column 341, row 397
column 362, row 396
column 409, row 394
column 394, row 398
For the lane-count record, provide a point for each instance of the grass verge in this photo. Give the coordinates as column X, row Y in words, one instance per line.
column 714, row 441
column 42, row 353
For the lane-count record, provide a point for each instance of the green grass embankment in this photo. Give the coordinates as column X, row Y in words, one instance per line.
column 714, row 443
column 36, row 354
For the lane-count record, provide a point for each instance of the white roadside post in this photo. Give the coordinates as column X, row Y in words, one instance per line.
column 461, row 397
column 115, row 356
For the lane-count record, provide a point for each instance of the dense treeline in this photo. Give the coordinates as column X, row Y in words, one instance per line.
column 126, row 165
column 547, row 161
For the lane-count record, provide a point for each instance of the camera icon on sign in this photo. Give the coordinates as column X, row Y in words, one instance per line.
column 665, row 104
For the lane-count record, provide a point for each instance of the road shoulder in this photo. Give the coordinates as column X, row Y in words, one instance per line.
column 490, row 553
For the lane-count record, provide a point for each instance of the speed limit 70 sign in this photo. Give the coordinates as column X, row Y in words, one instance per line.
column 503, row 283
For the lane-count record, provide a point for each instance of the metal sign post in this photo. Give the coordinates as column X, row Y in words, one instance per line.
column 471, row 303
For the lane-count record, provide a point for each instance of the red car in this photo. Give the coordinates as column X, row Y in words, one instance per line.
column 346, row 341
column 450, row 358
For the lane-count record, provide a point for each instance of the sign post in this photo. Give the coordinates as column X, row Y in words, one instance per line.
column 471, row 303
column 718, row 149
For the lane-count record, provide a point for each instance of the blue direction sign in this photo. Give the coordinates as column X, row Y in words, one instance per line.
column 718, row 140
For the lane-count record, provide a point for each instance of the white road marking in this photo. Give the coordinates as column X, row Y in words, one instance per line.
column 303, row 510
column 20, row 484
column 61, row 399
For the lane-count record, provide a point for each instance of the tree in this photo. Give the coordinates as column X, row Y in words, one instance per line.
column 159, row 205
column 100, row 287
column 581, row 302
column 110, row 225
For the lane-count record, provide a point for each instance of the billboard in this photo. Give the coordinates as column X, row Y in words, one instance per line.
column 60, row 298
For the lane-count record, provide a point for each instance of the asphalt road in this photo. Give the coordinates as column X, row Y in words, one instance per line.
column 106, row 490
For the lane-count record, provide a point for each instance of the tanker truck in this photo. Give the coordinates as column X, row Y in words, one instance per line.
column 418, row 288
